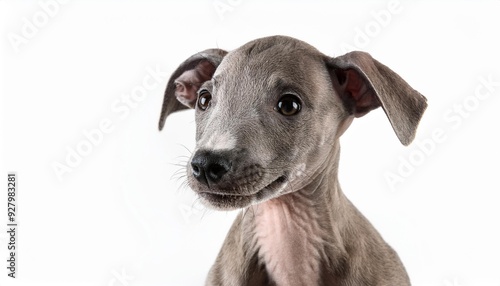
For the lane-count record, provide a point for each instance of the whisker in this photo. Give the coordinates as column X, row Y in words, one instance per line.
column 178, row 174
column 180, row 164
column 187, row 149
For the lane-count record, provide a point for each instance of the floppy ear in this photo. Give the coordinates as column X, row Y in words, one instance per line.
column 365, row 84
column 182, row 87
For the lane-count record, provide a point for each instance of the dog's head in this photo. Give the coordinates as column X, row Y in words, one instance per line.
column 273, row 109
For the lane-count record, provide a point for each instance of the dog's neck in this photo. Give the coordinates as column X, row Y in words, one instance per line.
column 297, row 232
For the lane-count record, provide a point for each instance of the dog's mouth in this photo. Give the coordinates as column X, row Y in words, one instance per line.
column 229, row 201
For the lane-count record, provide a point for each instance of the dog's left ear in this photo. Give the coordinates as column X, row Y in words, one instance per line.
column 182, row 87
column 365, row 84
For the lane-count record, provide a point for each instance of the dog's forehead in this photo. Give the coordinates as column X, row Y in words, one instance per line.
column 276, row 57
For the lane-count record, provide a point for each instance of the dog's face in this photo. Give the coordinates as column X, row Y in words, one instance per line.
column 267, row 116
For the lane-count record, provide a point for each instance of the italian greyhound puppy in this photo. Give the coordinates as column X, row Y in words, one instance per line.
column 268, row 120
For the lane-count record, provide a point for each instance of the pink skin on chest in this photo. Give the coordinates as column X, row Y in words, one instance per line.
column 287, row 235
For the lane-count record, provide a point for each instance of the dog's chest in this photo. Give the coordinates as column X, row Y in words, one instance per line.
column 288, row 237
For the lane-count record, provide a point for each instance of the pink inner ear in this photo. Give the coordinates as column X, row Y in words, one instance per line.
column 188, row 83
column 364, row 98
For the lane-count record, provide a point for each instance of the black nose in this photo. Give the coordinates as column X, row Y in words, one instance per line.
column 209, row 167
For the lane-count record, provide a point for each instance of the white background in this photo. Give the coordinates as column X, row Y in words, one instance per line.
column 122, row 216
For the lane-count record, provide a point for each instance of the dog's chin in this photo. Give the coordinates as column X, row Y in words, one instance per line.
column 223, row 201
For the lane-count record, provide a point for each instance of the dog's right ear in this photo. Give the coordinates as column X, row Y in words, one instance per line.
column 182, row 87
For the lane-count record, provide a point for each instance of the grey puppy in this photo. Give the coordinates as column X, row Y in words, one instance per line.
column 268, row 120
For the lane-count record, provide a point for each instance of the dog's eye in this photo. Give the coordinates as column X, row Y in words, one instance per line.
column 288, row 105
column 204, row 99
